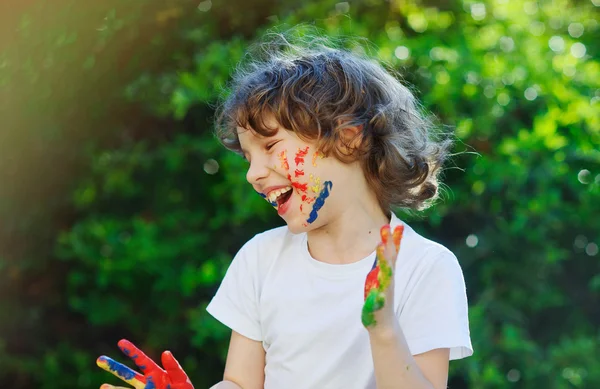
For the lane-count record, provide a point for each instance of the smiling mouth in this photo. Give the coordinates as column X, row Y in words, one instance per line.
column 283, row 198
column 279, row 196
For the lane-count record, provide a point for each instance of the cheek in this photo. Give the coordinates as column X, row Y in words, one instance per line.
column 319, row 201
column 283, row 160
column 312, row 189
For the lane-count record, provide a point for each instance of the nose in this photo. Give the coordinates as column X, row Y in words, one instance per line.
column 257, row 171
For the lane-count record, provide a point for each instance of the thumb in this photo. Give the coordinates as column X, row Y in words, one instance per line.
column 178, row 377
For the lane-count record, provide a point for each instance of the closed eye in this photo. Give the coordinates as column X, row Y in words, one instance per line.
column 270, row 145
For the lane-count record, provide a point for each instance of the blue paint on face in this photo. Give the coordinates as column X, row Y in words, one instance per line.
column 274, row 203
column 327, row 185
column 119, row 369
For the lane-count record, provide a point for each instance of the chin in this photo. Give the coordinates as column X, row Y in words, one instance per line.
column 296, row 220
column 298, row 224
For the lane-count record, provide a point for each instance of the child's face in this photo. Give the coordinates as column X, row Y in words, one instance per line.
column 294, row 177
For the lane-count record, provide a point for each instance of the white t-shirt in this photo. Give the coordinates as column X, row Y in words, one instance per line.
column 307, row 313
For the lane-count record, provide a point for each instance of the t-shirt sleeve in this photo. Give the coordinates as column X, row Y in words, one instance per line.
column 435, row 314
column 236, row 302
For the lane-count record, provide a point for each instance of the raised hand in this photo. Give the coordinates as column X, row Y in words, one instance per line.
column 152, row 376
column 378, row 309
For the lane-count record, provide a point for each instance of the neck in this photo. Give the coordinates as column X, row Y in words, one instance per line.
column 351, row 236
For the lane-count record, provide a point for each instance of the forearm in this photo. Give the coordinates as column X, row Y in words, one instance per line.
column 395, row 366
column 226, row 385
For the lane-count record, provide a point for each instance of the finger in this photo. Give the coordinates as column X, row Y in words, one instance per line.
column 179, row 379
column 141, row 360
column 380, row 251
column 108, row 386
column 385, row 249
column 385, row 233
column 384, row 273
column 121, row 371
column 397, row 236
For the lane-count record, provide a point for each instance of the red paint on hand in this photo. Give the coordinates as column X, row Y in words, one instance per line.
column 171, row 377
column 372, row 280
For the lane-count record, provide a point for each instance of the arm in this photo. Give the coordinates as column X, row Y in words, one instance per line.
column 245, row 365
column 395, row 367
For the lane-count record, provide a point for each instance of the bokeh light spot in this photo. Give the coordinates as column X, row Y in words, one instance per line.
column 530, row 93
column 513, row 375
column 211, row 166
column 575, row 30
column 478, row 11
column 569, row 70
column 537, row 28
column 556, row 43
column 503, row 99
column 472, row 240
column 580, row 242
column 402, row 52
column 442, row 77
column 489, row 91
column 591, row 249
column 417, row 22
column 578, row 50
column 343, row 7
column 507, row 44
column 584, row 176
column 530, row 7
column 205, row 6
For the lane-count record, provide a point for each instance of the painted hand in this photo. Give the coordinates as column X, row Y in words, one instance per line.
column 152, row 377
column 378, row 310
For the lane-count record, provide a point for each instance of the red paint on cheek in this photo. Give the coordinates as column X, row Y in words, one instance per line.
column 297, row 185
column 298, row 173
column 300, row 187
column 307, row 199
column 300, row 156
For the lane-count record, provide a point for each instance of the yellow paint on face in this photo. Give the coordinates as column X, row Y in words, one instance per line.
column 284, row 161
column 314, row 158
column 316, row 188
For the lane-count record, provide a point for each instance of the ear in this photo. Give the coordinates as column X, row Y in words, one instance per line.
column 350, row 139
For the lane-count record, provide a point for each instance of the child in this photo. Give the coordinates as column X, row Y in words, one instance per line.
column 332, row 300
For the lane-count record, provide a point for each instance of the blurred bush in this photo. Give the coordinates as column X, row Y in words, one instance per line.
column 122, row 212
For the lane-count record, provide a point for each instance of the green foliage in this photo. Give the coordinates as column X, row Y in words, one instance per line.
column 158, row 208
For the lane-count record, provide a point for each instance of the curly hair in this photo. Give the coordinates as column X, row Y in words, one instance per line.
column 317, row 91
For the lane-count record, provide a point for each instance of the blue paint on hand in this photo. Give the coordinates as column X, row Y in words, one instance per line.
column 327, row 185
column 119, row 369
column 149, row 383
column 374, row 264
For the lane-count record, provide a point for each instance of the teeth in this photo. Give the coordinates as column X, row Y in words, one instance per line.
column 278, row 192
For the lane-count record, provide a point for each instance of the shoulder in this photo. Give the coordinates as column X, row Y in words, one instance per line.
column 415, row 244
column 419, row 256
